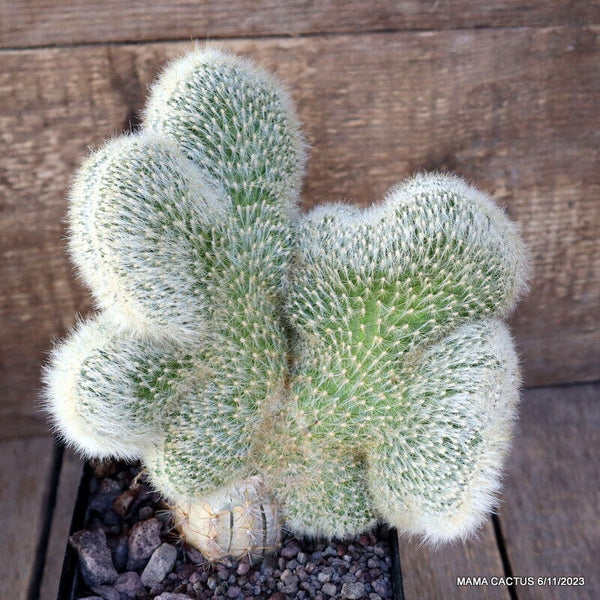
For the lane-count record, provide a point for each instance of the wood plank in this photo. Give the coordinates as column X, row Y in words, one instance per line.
column 513, row 110
column 47, row 22
column 70, row 476
column 25, row 467
column 551, row 513
column 431, row 574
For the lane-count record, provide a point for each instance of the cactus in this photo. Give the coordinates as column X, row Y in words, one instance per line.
column 238, row 520
column 402, row 370
column 333, row 369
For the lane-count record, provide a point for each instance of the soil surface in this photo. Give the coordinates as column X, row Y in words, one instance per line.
column 129, row 551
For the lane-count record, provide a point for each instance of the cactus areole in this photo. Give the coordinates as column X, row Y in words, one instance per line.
column 327, row 371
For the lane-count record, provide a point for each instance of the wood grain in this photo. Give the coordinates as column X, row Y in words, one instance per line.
column 47, row 22
column 24, row 487
column 432, row 574
column 70, row 476
column 551, row 513
column 513, row 110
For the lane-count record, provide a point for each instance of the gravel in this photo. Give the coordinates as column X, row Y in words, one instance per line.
column 128, row 552
column 353, row 591
column 107, row 593
column 144, row 539
column 95, row 560
column 128, row 585
column 160, row 565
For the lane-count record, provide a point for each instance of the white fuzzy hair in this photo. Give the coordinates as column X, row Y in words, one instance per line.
column 145, row 274
column 96, row 420
column 465, row 435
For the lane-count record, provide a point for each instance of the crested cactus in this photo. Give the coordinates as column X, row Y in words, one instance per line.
column 332, row 369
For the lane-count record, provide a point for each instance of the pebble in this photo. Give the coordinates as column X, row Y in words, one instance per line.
column 329, row 588
column 146, row 512
column 278, row 596
column 195, row 556
column 144, row 539
column 290, row 550
column 94, row 557
column 103, row 499
column 120, row 553
column 157, row 589
column 234, row 591
column 353, row 591
column 104, row 469
column 311, row 589
column 324, row 576
column 290, row 582
column 107, row 593
column 124, row 501
column 171, row 596
column 365, row 540
column 243, row 567
column 160, row 564
column 128, row 584
column 187, row 571
column 380, row 587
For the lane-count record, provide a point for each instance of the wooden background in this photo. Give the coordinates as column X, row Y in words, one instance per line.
column 503, row 92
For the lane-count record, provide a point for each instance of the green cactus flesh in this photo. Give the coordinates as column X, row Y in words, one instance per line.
column 352, row 361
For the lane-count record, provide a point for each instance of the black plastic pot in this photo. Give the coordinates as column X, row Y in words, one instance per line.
column 71, row 583
column 70, row 577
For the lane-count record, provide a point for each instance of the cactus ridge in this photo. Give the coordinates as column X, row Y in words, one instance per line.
column 353, row 361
